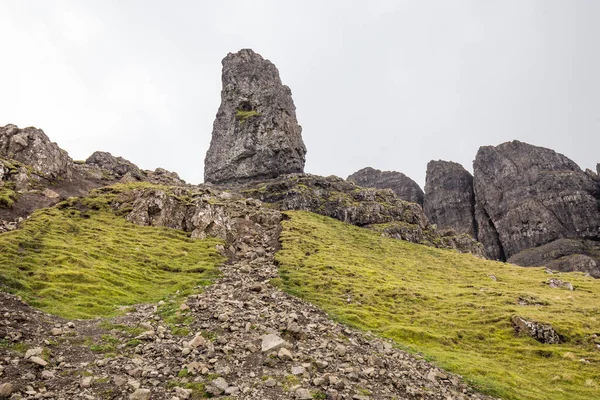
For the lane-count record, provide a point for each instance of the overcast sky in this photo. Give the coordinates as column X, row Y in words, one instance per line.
column 388, row 84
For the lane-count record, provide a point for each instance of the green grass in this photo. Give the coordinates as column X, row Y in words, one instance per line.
column 445, row 306
column 77, row 262
column 244, row 115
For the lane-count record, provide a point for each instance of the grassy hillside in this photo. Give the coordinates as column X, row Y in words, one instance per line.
column 453, row 308
column 80, row 263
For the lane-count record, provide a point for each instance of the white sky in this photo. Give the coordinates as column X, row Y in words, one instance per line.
column 387, row 84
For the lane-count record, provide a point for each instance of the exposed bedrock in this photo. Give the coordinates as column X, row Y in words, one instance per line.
column 402, row 186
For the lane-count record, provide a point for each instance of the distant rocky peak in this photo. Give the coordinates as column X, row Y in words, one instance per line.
column 449, row 198
column 255, row 134
column 402, row 186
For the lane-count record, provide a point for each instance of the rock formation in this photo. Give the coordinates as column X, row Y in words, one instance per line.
column 532, row 196
column 32, row 147
column 256, row 134
column 449, row 198
column 404, row 187
column 117, row 165
column 377, row 209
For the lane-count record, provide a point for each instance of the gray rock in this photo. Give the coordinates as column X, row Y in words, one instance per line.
column 116, row 165
column 402, row 186
column 256, row 134
column 303, row 394
column 6, row 389
column 532, row 196
column 271, row 342
column 543, row 333
column 140, row 394
column 183, row 393
column 565, row 255
column 217, row 386
column 270, row 382
column 449, row 197
column 31, row 146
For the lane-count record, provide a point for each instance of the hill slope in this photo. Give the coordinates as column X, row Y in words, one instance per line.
column 454, row 308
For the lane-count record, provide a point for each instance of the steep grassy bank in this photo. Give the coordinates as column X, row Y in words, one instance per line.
column 80, row 260
column 453, row 308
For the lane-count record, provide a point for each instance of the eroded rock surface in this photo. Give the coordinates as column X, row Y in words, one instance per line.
column 449, row 197
column 32, row 147
column 402, row 186
column 377, row 209
column 543, row 333
column 256, row 134
column 529, row 196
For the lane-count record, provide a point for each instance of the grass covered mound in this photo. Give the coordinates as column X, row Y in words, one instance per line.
column 79, row 263
column 453, row 308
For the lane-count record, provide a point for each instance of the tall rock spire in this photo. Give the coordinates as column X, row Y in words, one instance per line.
column 256, row 134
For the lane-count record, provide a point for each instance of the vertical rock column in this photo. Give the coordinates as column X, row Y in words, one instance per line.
column 255, row 135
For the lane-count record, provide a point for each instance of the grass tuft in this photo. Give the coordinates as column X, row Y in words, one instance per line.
column 446, row 306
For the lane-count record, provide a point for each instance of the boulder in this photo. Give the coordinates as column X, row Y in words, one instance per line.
column 32, row 147
column 528, row 196
column 402, row 186
column 449, row 197
column 255, row 134
column 543, row 333
column 115, row 165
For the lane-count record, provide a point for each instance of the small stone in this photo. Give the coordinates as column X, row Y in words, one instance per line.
column 87, row 381
column 140, row 394
column 56, row 331
column 284, row 354
column 303, row 394
column 197, row 341
column 47, row 374
column 340, row 350
column 33, row 352
column 183, row 393
column 38, row 361
column 270, row 382
column 119, row 381
column 184, row 307
column 217, row 386
column 297, row 370
column 271, row 342
column 6, row 389
column 232, row 390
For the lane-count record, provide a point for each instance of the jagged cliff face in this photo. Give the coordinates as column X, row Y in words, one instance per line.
column 449, row 198
column 256, row 134
column 402, row 186
column 531, row 196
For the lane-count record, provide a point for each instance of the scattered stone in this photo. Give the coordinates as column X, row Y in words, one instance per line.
column 183, row 393
column 217, row 386
column 87, row 381
column 140, row 394
column 543, row 333
column 270, row 382
column 557, row 283
column 197, row 341
column 39, row 361
column 284, row 354
column 271, row 342
column 303, row 394
column 6, row 389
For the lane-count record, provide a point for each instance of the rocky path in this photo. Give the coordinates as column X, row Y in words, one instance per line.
column 242, row 338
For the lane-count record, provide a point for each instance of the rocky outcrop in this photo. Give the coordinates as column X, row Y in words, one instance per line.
column 543, row 333
column 256, row 134
column 377, row 209
column 564, row 255
column 104, row 165
column 32, row 147
column 528, row 196
column 114, row 165
column 449, row 197
column 402, row 186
